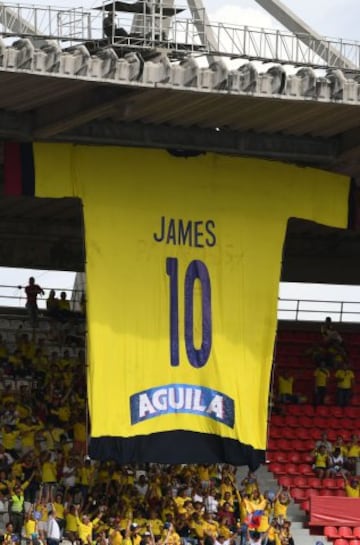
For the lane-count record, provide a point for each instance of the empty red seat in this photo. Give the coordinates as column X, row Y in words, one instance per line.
column 326, row 492
column 341, row 541
column 276, row 468
column 296, row 410
column 299, row 445
column 308, row 410
column 316, row 433
column 314, row 482
column 284, row 444
column 306, row 421
column 298, row 494
column 272, row 444
column 321, row 410
column 321, row 422
column 335, row 423
column 280, row 457
column 277, row 420
column 330, row 483
column 302, row 433
column 300, row 481
column 312, row 492
column 291, row 421
column 340, row 492
column 305, row 469
column 336, row 411
column 354, row 542
column 294, row 458
column 356, row 531
column 332, row 435
column 352, row 412
column 345, row 531
column 331, row 532
column 307, row 458
column 305, row 505
column 285, row 481
column 276, row 432
column 288, row 433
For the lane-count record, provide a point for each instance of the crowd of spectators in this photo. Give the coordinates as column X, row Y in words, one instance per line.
column 331, row 361
column 51, row 490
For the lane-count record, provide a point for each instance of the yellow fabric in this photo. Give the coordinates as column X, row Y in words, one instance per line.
column 242, row 207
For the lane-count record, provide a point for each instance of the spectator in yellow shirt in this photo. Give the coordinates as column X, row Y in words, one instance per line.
column 345, row 381
column 352, row 488
column 286, row 385
column 322, row 376
column 85, row 527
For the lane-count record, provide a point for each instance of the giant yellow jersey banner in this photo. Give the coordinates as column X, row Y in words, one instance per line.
column 183, row 267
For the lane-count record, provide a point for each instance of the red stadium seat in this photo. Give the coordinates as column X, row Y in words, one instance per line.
column 298, row 445
column 356, row 531
column 352, row 412
column 305, row 469
column 296, row 410
column 277, row 420
column 330, row 483
column 280, row 457
column 340, row 492
column 300, row 482
column 309, row 445
column 277, row 469
column 326, row 492
column 331, row 532
column 308, row 410
column 288, row 433
column 354, row 542
column 340, row 541
column 272, row 444
column 292, row 469
column 321, row 422
column 302, row 433
column 305, row 506
column 314, row 482
column 316, row 433
column 276, row 432
column 284, row 444
column 285, row 481
column 294, row 458
column 306, row 421
column 291, row 421
column 298, row 494
column 307, row 458
column 336, row 411
column 312, row 492
column 345, row 531
column 335, row 423
column 332, row 435
column 321, row 410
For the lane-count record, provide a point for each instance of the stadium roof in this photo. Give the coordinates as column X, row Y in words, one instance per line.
column 308, row 117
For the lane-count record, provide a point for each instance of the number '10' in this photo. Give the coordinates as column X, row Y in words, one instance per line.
column 196, row 270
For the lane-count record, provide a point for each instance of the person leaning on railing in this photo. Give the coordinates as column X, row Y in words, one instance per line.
column 32, row 290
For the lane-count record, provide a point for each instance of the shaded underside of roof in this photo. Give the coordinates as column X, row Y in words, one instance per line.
column 309, row 118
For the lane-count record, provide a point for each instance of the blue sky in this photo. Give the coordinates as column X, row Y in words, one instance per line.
column 334, row 18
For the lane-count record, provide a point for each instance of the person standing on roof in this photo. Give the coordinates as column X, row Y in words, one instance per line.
column 32, row 291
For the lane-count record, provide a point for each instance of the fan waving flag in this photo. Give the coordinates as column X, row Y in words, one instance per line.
column 183, row 267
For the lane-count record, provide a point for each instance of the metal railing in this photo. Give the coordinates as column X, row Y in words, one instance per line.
column 14, row 296
column 180, row 33
column 317, row 311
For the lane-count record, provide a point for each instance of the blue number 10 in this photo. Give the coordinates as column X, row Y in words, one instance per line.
column 196, row 270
